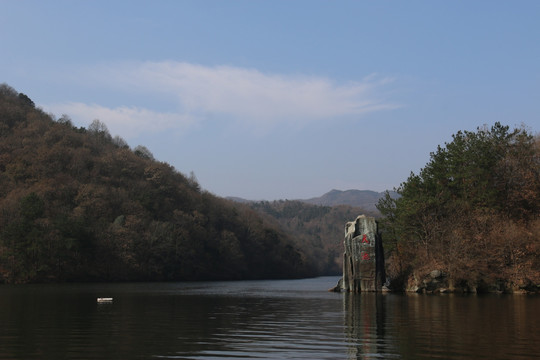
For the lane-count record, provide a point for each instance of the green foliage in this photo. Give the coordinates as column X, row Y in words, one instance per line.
column 79, row 205
column 447, row 211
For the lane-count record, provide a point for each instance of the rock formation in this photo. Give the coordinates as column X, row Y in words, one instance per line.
column 363, row 260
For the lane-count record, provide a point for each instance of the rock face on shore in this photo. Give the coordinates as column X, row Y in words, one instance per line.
column 363, row 260
column 437, row 281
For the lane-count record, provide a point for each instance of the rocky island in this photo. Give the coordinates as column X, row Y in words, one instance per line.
column 363, row 259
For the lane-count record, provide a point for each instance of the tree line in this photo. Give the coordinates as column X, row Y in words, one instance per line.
column 473, row 212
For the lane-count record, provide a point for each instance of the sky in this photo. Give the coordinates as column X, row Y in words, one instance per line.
column 278, row 99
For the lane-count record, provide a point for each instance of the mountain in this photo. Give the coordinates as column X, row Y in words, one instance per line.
column 365, row 199
column 239, row 200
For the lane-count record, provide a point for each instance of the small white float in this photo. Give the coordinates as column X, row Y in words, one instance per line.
column 104, row 300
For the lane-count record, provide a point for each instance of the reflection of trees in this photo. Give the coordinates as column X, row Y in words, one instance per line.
column 365, row 318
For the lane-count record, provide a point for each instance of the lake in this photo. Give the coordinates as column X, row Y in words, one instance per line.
column 279, row 319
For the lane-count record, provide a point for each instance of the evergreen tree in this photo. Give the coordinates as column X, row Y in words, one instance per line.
column 449, row 213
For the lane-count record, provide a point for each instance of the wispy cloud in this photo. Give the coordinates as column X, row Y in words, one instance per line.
column 246, row 95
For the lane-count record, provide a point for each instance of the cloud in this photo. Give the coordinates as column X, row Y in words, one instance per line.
column 197, row 92
column 128, row 121
column 254, row 96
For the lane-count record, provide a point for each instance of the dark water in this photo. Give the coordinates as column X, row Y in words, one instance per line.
column 295, row 319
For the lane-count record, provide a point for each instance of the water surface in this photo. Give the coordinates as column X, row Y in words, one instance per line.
column 285, row 319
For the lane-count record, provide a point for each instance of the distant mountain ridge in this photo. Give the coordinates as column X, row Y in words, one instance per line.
column 365, row 199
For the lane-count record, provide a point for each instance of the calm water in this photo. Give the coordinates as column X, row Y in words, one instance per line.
column 295, row 319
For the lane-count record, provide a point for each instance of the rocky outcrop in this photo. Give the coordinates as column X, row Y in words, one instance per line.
column 363, row 259
column 437, row 281
column 433, row 282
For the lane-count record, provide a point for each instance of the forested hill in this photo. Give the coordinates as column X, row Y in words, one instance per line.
column 77, row 204
column 470, row 219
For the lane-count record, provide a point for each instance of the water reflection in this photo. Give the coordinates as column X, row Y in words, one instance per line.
column 265, row 320
column 365, row 322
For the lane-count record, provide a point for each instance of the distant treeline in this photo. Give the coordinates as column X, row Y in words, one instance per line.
column 473, row 213
column 317, row 230
column 77, row 204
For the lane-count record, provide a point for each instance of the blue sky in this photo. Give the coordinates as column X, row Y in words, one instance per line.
column 280, row 99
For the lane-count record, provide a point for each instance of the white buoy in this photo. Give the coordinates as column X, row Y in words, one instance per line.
column 104, row 300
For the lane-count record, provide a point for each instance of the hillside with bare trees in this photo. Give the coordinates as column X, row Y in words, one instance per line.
column 77, row 204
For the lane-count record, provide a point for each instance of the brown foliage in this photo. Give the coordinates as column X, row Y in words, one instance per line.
column 77, row 204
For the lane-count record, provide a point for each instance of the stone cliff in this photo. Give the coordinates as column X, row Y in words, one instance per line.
column 363, row 259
